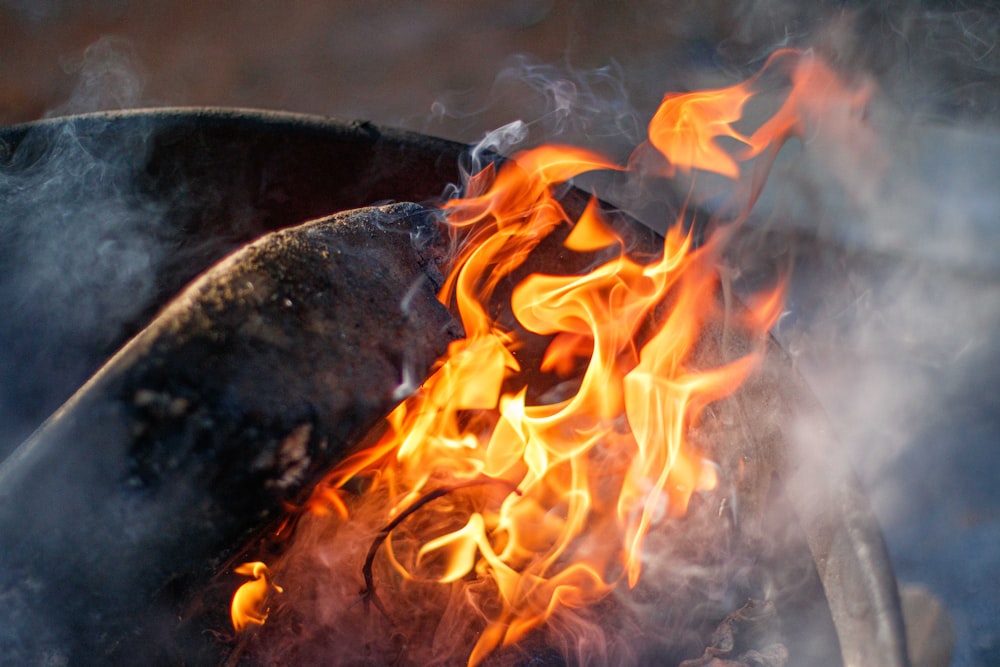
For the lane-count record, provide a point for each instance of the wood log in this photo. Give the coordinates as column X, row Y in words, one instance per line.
column 206, row 425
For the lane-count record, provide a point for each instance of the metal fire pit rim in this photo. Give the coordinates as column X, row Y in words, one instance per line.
column 223, row 113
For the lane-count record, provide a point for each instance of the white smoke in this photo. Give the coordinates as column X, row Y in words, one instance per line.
column 109, row 75
column 551, row 103
column 894, row 304
column 893, row 314
column 80, row 243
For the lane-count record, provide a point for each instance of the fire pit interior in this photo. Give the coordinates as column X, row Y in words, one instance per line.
column 136, row 557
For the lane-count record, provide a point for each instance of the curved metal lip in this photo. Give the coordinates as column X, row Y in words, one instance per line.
column 842, row 533
column 188, row 114
column 203, row 181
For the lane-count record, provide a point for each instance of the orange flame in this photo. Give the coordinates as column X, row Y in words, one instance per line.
column 551, row 497
column 688, row 127
column 249, row 605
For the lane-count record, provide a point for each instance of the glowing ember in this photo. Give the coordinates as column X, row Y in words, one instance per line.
column 547, row 474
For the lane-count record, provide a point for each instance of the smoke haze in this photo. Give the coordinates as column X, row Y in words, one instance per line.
column 895, row 297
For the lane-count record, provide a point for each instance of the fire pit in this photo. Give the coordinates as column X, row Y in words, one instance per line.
column 92, row 580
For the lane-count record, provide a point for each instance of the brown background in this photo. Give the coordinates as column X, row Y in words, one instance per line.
column 384, row 61
column 391, row 61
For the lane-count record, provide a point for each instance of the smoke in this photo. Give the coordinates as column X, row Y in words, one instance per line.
column 894, row 303
column 892, row 317
column 552, row 103
column 80, row 241
column 109, row 76
column 697, row 573
column 324, row 613
column 889, row 219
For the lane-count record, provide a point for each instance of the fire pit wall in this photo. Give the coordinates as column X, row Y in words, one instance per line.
column 206, row 182
column 107, row 216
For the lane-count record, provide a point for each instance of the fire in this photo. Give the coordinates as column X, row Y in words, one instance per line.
column 548, row 470
column 249, row 605
column 687, row 128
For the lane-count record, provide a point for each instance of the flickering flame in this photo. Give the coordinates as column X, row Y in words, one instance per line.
column 688, row 127
column 249, row 605
column 548, row 473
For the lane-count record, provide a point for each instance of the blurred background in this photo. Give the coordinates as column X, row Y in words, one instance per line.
column 436, row 64
column 895, row 307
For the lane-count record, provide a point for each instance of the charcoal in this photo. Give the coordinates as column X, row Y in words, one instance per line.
column 208, row 426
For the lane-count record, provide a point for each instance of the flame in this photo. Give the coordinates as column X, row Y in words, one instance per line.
column 688, row 127
column 550, row 471
column 249, row 606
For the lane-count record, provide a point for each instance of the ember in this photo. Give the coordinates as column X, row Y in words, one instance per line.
column 557, row 434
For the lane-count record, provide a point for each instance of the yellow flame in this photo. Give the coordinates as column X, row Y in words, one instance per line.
column 249, row 606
